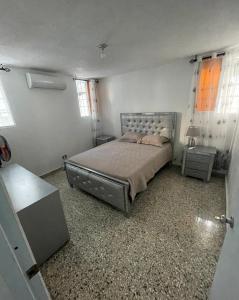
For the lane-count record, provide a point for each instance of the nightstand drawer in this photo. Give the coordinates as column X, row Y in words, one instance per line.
column 196, row 173
column 197, row 165
column 198, row 158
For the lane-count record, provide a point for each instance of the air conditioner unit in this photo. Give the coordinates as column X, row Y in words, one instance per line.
column 45, row 82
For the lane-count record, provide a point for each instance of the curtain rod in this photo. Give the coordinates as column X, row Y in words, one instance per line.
column 75, row 78
column 195, row 58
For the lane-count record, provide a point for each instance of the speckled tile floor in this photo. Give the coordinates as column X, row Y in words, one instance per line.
column 167, row 249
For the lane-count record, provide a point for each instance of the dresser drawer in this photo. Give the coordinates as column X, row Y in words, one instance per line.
column 197, row 165
column 196, row 173
column 198, row 158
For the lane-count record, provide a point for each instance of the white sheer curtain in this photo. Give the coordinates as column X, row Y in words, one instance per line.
column 217, row 126
column 95, row 110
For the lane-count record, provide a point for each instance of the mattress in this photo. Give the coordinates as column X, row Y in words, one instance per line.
column 135, row 163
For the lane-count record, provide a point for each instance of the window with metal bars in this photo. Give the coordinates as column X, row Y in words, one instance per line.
column 83, row 97
column 6, row 118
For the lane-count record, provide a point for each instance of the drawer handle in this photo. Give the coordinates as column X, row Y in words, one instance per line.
column 32, row 271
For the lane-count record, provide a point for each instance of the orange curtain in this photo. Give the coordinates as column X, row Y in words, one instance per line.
column 207, row 88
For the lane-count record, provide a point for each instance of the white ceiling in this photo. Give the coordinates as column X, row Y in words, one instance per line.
column 62, row 35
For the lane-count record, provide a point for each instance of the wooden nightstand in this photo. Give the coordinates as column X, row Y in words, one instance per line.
column 104, row 139
column 198, row 162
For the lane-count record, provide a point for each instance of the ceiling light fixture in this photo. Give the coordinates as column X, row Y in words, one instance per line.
column 102, row 48
column 3, row 68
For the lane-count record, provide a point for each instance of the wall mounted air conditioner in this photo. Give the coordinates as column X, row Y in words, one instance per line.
column 45, row 82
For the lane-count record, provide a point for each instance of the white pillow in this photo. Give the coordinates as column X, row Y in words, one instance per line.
column 165, row 132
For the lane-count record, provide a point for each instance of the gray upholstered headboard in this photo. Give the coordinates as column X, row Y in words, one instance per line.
column 149, row 123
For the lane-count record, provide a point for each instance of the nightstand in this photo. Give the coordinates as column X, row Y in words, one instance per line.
column 104, row 139
column 198, row 161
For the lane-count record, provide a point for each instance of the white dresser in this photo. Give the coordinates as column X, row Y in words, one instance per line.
column 39, row 209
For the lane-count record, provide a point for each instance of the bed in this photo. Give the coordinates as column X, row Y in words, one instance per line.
column 116, row 172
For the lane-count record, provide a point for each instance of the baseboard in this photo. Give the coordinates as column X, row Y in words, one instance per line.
column 51, row 172
column 227, row 196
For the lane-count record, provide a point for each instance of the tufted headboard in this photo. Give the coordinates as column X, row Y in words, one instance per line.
column 149, row 123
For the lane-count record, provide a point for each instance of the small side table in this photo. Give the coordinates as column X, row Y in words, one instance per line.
column 104, row 139
column 198, row 162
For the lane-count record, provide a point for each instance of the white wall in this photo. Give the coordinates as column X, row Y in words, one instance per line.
column 48, row 123
column 165, row 88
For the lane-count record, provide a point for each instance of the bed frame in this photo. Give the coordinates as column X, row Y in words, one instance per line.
column 111, row 189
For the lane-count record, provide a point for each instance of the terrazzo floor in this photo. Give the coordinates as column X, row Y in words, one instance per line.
column 167, row 249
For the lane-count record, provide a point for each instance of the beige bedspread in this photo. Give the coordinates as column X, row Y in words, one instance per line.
column 135, row 163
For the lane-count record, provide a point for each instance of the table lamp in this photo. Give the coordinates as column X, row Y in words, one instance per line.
column 192, row 132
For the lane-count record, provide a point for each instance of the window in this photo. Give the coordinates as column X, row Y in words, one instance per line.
column 229, row 96
column 83, row 97
column 208, row 82
column 6, row 118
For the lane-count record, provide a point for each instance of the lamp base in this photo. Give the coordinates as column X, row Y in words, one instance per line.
column 191, row 142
